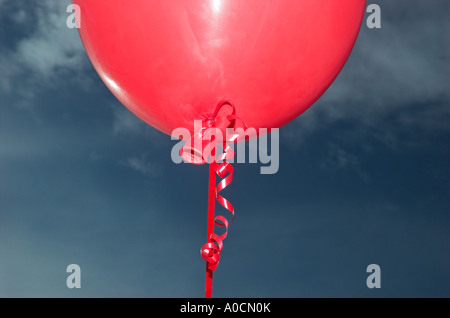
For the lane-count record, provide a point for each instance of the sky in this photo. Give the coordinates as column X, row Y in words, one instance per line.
column 364, row 176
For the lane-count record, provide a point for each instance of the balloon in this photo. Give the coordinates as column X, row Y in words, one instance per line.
column 171, row 61
column 176, row 62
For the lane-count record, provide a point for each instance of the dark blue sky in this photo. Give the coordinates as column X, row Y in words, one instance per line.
column 364, row 176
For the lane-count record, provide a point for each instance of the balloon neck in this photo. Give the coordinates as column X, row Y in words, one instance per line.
column 193, row 151
column 221, row 119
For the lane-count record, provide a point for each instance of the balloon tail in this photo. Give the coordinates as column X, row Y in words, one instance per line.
column 211, row 205
column 219, row 165
column 212, row 249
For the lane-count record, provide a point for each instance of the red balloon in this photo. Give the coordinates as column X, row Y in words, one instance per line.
column 172, row 61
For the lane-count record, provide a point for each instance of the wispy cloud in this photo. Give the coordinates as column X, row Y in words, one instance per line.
column 143, row 165
column 35, row 60
column 343, row 160
column 125, row 122
column 397, row 74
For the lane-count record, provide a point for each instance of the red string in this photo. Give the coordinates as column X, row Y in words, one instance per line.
column 211, row 205
column 212, row 249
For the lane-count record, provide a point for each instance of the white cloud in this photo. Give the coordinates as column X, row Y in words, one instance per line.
column 125, row 122
column 19, row 16
column 397, row 74
column 340, row 159
column 143, row 165
column 36, row 60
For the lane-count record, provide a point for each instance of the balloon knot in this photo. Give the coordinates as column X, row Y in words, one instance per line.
column 210, row 252
column 209, row 121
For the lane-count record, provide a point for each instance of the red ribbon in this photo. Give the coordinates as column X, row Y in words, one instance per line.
column 212, row 249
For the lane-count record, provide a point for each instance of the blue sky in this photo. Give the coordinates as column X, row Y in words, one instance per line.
column 364, row 176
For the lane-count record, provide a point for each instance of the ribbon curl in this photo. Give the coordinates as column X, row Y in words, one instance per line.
column 211, row 250
column 219, row 165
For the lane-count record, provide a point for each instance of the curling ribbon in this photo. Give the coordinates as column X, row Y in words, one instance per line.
column 219, row 165
column 211, row 250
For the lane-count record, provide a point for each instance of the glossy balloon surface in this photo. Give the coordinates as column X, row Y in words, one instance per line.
column 171, row 61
